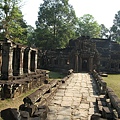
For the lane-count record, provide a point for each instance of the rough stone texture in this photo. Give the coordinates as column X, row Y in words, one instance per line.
column 74, row 100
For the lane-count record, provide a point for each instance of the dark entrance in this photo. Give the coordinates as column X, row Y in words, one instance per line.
column 85, row 65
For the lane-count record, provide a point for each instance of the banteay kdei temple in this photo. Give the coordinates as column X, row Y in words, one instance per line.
column 85, row 54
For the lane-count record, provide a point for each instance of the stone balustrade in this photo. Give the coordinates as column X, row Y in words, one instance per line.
column 108, row 102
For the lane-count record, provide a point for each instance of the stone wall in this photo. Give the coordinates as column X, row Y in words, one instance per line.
column 85, row 54
column 108, row 102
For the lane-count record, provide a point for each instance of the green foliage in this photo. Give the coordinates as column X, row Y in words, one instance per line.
column 115, row 29
column 104, row 31
column 55, row 25
column 30, row 35
column 88, row 26
column 11, row 20
column 55, row 75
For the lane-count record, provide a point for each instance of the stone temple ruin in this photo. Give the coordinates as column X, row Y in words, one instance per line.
column 19, row 69
column 22, row 68
column 85, row 54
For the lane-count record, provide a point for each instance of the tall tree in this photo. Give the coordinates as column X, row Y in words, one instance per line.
column 88, row 26
column 105, row 32
column 11, row 18
column 115, row 29
column 30, row 35
column 55, row 24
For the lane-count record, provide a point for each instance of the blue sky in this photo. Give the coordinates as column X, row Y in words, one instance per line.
column 102, row 10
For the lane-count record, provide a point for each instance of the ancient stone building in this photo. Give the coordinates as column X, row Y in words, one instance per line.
column 16, row 59
column 85, row 54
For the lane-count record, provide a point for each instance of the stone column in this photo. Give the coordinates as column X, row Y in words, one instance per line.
column 80, row 64
column 29, row 60
column 21, row 61
column 7, row 54
column 76, row 62
column 90, row 63
column 10, row 67
column 36, row 58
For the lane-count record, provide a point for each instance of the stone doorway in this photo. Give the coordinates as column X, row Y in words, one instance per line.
column 85, row 65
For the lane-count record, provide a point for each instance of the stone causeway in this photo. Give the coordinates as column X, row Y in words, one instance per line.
column 74, row 100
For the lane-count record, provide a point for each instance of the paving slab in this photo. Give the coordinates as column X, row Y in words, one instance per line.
column 75, row 99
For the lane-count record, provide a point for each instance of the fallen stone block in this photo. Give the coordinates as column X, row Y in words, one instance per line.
column 95, row 116
column 42, row 112
column 24, row 115
column 9, row 114
column 30, row 109
column 107, row 113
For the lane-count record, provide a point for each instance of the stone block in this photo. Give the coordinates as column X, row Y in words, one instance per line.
column 24, row 115
column 30, row 109
column 9, row 114
column 42, row 112
column 96, row 116
column 107, row 113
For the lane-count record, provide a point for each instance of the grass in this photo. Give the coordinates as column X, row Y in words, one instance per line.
column 15, row 102
column 113, row 81
column 55, row 75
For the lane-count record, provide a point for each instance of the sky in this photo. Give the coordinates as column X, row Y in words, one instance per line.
column 103, row 11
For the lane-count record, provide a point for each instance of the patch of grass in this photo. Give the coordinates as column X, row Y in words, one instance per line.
column 55, row 75
column 113, row 81
column 15, row 102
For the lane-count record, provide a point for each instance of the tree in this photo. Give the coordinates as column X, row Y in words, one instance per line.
column 88, row 26
column 105, row 32
column 30, row 35
column 115, row 29
column 11, row 19
column 55, row 24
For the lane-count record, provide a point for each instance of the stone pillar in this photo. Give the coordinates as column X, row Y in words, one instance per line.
column 21, row 60
column 76, row 62
column 36, row 58
column 7, row 56
column 16, row 61
column 90, row 64
column 26, row 60
column 80, row 64
column 32, row 60
column 29, row 60
column 10, row 69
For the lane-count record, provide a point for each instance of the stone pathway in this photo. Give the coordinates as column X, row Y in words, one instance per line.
column 74, row 100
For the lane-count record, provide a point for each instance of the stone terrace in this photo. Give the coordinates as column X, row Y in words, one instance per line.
column 74, row 100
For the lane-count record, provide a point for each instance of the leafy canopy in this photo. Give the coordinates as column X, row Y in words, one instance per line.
column 55, row 24
column 11, row 20
column 88, row 26
column 115, row 29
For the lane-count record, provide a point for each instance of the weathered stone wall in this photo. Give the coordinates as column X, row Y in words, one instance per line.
column 22, row 83
column 85, row 54
column 20, row 70
column 108, row 103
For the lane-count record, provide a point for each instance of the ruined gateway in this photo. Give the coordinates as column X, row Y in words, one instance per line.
column 85, row 54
